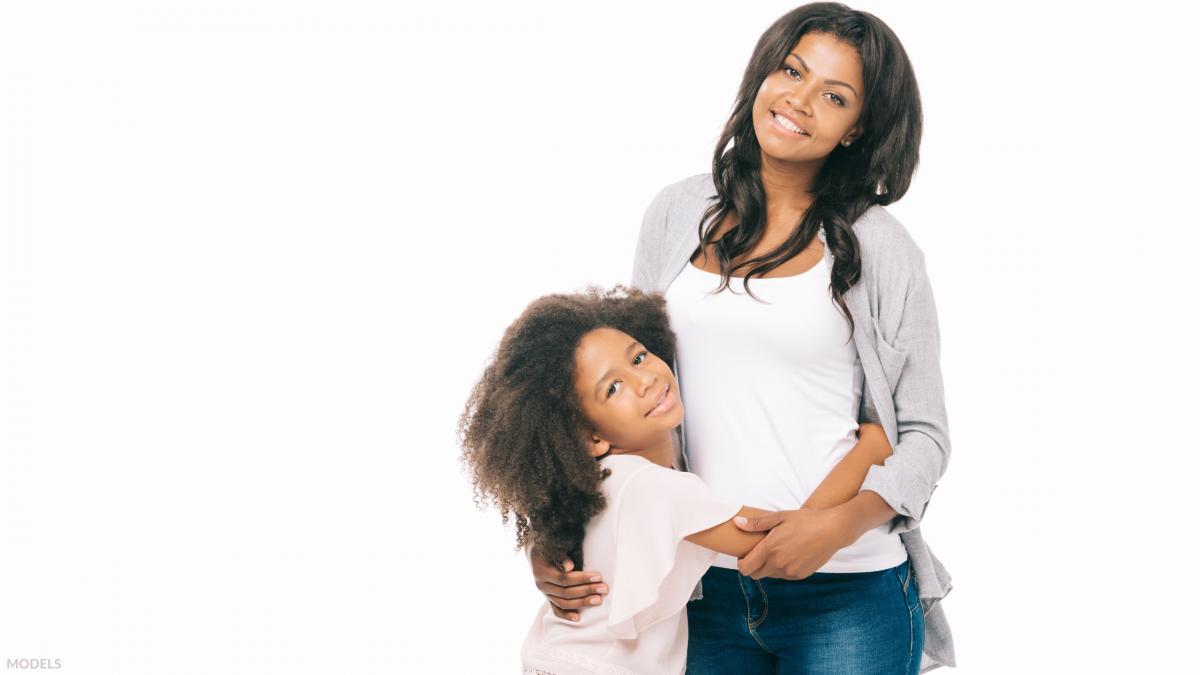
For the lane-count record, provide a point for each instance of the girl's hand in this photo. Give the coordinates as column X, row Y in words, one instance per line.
column 567, row 591
column 800, row 542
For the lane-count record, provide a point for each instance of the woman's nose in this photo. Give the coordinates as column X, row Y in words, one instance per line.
column 798, row 99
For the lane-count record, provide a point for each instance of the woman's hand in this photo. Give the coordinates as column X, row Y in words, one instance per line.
column 802, row 541
column 567, row 591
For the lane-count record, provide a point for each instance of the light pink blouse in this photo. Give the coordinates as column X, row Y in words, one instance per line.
column 637, row 545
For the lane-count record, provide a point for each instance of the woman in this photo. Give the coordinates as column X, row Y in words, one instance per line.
column 822, row 314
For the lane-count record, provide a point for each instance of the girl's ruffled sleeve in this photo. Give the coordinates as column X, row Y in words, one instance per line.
column 656, row 570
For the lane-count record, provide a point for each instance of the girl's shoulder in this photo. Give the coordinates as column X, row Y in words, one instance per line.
column 637, row 478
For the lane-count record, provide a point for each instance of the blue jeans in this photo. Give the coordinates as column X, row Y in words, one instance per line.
column 828, row 624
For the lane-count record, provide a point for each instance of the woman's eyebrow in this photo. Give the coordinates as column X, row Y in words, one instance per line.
column 842, row 84
column 833, row 82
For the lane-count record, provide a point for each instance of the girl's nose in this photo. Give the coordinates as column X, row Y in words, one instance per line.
column 646, row 382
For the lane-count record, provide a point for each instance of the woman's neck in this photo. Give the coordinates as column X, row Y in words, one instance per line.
column 787, row 188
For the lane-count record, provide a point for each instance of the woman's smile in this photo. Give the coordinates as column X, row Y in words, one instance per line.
column 787, row 125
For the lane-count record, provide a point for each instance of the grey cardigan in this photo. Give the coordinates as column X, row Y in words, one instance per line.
column 896, row 333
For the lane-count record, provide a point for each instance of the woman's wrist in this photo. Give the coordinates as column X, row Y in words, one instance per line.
column 865, row 512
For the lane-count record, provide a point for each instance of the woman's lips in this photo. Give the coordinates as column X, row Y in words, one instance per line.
column 665, row 403
column 784, row 130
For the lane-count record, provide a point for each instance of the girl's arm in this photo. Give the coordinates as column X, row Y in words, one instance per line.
column 727, row 538
column 845, row 480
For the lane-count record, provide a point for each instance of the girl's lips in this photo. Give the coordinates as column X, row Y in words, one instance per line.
column 667, row 402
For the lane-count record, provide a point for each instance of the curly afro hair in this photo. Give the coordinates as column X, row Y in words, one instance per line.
column 523, row 433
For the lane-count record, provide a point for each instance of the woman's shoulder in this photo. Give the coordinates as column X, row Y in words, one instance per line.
column 691, row 190
column 885, row 243
column 699, row 186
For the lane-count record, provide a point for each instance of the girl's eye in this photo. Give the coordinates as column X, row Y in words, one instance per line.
column 837, row 99
column 637, row 360
column 791, row 72
column 612, row 389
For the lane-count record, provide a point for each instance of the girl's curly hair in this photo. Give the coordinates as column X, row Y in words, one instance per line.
column 523, row 433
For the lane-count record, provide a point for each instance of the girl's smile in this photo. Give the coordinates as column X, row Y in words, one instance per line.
column 664, row 402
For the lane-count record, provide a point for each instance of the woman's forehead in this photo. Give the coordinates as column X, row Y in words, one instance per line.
column 827, row 57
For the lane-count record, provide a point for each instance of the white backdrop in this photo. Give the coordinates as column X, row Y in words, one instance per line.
column 254, row 254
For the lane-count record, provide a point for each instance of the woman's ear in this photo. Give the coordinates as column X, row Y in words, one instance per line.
column 855, row 134
column 597, row 447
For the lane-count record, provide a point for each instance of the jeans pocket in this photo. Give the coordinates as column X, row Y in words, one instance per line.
column 908, row 586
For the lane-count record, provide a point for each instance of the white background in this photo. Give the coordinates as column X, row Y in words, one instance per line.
column 254, row 254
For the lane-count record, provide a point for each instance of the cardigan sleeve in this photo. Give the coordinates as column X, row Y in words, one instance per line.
column 912, row 358
column 647, row 256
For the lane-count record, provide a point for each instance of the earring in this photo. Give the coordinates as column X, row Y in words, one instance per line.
column 846, row 143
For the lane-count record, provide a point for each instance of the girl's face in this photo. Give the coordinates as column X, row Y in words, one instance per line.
column 629, row 394
column 812, row 103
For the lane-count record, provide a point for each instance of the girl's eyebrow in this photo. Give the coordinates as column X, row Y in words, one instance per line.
column 827, row 81
column 608, row 373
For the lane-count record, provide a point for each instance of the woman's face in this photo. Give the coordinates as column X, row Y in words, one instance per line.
column 812, row 103
column 629, row 394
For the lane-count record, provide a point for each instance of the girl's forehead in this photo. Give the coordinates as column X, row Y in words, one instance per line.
column 604, row 344
column 600, row 352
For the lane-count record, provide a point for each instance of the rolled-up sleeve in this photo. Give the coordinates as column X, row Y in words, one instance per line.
column 922, row 451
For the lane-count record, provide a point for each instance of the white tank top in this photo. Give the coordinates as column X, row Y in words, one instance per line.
column 771, row 392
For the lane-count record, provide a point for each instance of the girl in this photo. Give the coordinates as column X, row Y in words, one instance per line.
column 569, row 432
column 824, row 133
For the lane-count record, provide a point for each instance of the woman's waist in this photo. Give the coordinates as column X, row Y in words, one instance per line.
column 874, row 551
column 766, row 471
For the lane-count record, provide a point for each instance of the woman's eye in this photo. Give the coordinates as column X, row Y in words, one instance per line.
column 837, row 99
column 791, row 72
column 637, row 360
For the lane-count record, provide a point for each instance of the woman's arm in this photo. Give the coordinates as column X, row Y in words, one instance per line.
column 727, row 538
column 834, row 516
column 922, row 452
column 839, row 487
column 846, row 479
column 567, row 591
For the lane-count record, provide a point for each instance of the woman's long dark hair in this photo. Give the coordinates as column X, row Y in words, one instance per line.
column 876, row 169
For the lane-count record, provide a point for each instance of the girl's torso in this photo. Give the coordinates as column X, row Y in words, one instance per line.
column 636, row 544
